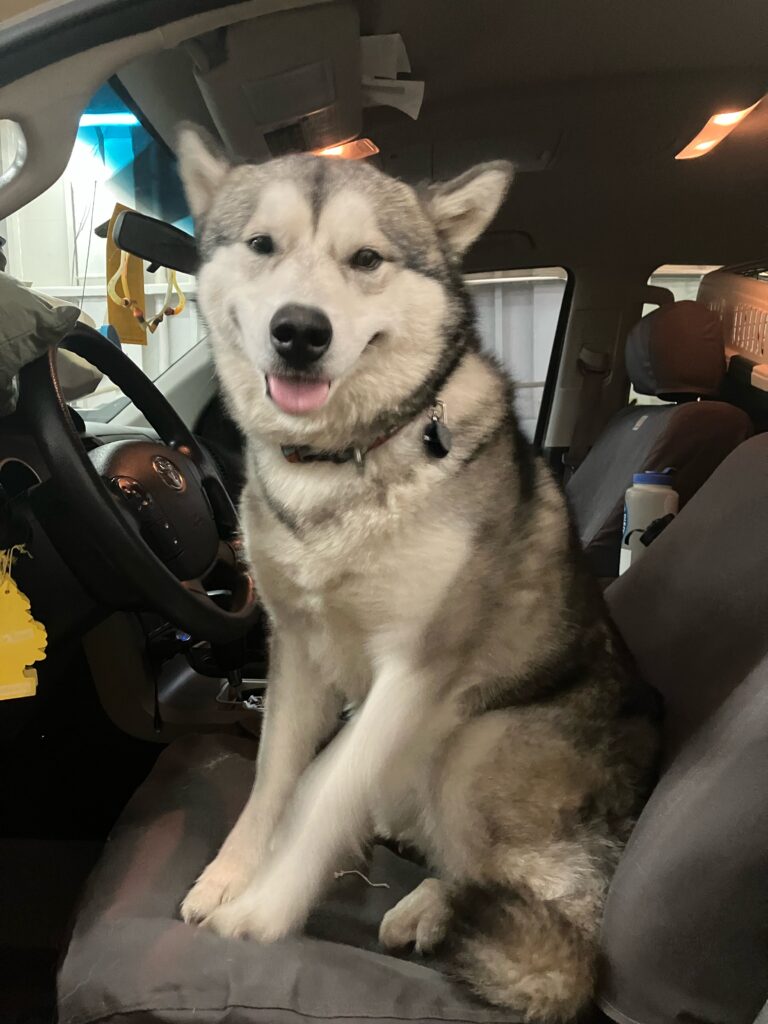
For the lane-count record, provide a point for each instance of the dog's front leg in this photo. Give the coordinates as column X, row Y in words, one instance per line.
column 332, row 812
column 301, row 712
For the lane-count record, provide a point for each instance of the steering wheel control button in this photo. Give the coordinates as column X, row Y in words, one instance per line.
column 170, row 474
column 162, row 538
column 132, row 493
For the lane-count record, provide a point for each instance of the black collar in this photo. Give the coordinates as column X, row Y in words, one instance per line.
column 436, row 438
column 355, row 453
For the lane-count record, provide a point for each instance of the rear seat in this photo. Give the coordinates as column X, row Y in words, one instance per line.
column 675, row 353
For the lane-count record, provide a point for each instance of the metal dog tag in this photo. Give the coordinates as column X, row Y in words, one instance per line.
column 437, row 439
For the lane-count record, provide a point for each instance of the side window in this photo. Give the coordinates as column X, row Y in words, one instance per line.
column 683, row 281
column 52, row 246
column 517, row 314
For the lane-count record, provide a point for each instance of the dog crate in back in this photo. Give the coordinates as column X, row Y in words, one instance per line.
column 739, row 296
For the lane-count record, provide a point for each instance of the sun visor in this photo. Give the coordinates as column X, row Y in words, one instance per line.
column 285, row 82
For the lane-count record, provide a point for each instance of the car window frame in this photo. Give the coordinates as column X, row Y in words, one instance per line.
column 555, row 358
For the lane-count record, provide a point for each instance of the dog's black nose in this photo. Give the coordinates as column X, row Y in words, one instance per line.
column 300, row 334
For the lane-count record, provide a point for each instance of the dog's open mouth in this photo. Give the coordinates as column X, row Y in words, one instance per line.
column 297, row 395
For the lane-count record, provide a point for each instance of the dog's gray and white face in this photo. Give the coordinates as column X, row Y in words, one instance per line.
column 328, row 286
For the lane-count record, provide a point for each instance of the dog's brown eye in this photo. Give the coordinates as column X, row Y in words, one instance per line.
column 366, row 259
column 262, row 244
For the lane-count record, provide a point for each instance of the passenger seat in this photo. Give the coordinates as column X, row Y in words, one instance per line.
column 676, row 354
column 685, row 931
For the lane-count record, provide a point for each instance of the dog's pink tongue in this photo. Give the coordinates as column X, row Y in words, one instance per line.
column 297, row 396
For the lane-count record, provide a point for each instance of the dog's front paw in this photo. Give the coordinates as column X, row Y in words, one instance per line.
column 250, row 916
column 420, row 918
column 223, row 880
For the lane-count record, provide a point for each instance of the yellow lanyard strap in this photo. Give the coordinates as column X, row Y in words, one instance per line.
column 125, row 300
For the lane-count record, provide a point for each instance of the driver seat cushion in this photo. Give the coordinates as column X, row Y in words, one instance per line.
column 131, row 958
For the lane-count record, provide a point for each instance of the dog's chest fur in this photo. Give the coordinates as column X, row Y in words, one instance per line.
column 354, row 553
column 361, row 569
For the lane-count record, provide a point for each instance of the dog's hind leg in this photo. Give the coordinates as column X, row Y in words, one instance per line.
column 527, row 869
column 419, row 919
column 301, row 713
column 512, row 949
column 520, row 952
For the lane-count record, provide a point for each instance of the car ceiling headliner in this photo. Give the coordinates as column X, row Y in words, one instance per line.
column 612, row 89
column 619, row 88
column 485, row 44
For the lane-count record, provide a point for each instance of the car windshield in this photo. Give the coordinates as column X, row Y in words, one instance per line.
column 117, row 149
column 53, row 244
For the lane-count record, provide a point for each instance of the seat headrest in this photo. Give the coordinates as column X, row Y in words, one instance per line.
column 677, row 351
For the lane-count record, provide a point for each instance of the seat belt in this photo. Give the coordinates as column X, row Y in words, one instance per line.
column 594, row 367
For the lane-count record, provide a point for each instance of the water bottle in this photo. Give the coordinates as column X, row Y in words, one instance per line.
column 651, row 501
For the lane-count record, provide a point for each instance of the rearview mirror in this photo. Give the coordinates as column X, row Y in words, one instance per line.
column 155, row 241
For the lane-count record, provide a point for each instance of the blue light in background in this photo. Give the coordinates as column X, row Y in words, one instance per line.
column 140, row 168
column 105, row 120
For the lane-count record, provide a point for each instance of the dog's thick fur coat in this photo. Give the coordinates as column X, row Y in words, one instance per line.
column 496, row 727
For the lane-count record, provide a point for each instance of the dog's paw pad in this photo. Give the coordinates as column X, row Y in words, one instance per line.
column 419, row 919
column 245, row 918
column 227, row 922
column 215, row 886
column 397, row 930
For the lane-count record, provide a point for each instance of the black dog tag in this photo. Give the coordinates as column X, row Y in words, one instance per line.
column 437, row 439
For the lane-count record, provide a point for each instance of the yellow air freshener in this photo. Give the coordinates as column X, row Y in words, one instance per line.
column 22, row 639
column 131, row 282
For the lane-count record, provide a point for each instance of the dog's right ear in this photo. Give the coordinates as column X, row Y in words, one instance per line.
column 202, row 167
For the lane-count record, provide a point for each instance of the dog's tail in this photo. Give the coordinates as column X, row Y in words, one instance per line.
column 520, row 952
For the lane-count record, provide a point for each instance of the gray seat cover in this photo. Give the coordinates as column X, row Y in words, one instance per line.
column 694, row 438
column 686, row 925
column 131, row 959
column 686, row 928
column 675, row 352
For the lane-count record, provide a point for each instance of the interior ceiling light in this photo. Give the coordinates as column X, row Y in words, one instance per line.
column 358, row 149
column 714, row 131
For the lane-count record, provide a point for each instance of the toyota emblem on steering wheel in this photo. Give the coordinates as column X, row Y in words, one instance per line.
column 168, row 473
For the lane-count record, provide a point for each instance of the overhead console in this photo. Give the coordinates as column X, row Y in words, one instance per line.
column 285, row 82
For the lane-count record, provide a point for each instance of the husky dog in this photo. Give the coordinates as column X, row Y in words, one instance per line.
column 416, row 560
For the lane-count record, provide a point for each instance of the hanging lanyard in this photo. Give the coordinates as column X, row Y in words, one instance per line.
column 168, row 309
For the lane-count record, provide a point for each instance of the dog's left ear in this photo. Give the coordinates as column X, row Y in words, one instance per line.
column 464, row 207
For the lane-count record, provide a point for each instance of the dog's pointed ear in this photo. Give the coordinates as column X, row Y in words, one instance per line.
column 464, row 207
column 202, row 167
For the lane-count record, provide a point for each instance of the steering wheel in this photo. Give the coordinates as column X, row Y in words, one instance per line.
column 158, row 513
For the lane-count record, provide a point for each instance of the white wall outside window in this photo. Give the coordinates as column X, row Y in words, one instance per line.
column 50, row 246
column 517, row 314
